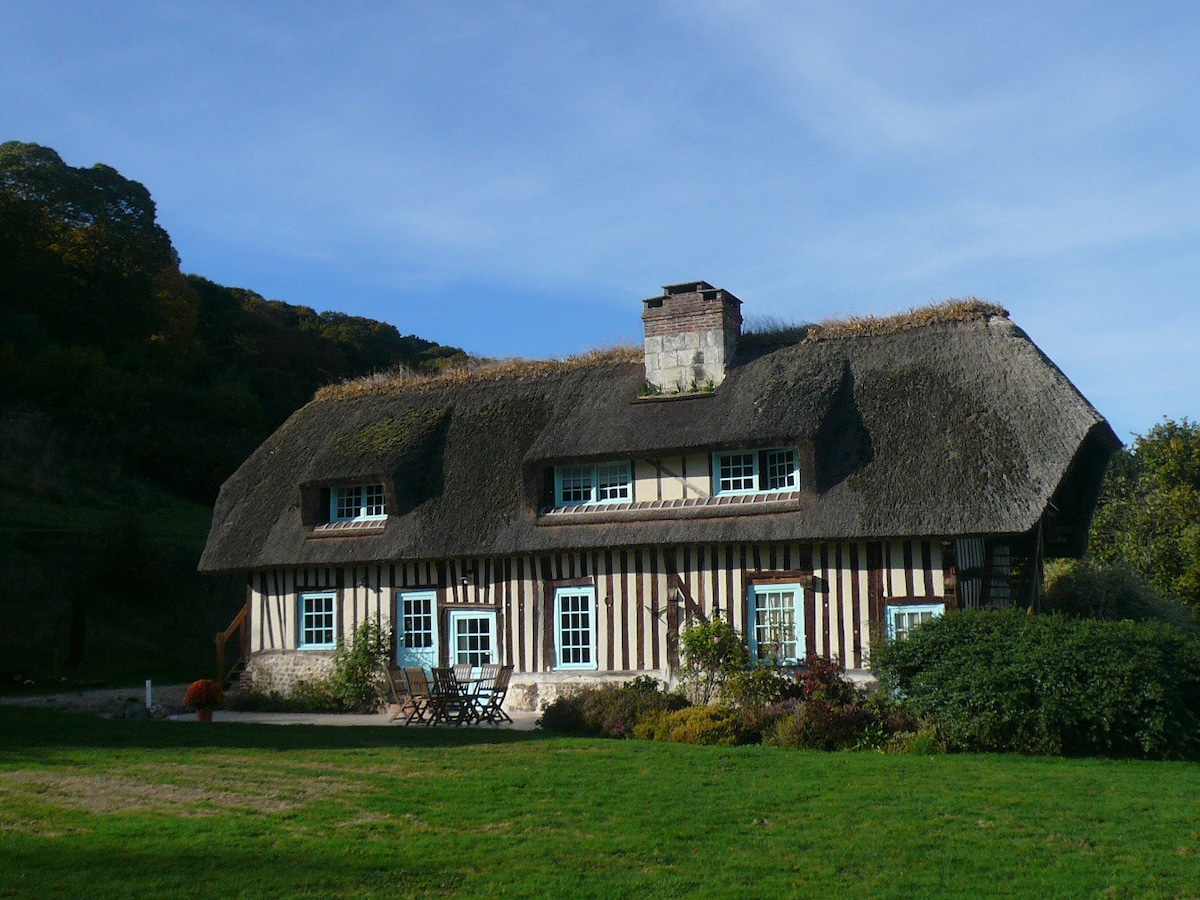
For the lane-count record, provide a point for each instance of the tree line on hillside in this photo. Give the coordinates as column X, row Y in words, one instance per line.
column 161, row 375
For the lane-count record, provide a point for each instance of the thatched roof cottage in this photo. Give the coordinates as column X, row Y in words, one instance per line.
column 817, row 488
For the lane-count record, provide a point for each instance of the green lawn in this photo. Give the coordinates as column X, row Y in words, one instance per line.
column 129, row 809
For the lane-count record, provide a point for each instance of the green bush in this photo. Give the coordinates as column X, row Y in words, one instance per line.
column 1006, row 681
column 608, row 710
column 759, row 687
column 822, row 724
column 1114, row 592
column 711, row 653
column 694, row 725
column 357, row 682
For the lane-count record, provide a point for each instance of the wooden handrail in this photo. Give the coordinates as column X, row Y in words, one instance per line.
column 239, row 626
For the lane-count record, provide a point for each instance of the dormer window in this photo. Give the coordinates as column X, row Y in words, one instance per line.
column 606, row 482
column 357, row 503
column 756, row 471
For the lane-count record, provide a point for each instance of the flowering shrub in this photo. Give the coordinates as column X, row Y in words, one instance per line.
column 204, row 694
column 712, row 651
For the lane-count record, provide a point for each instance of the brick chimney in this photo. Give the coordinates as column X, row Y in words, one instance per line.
column 691, row 334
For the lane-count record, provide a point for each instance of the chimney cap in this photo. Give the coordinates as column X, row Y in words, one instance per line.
column 687, row 287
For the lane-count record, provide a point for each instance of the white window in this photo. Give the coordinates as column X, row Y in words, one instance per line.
column 575, row 628
column 776, row 623
column 608, row 482
column 755, row 471
column 357, row 502
column 472, row 637
column 317, row 614
column 781, row 471
column 903, row 619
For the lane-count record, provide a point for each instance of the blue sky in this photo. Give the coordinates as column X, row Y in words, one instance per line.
column 514, row 178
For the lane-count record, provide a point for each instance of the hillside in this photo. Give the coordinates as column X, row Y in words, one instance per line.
column 131, row 391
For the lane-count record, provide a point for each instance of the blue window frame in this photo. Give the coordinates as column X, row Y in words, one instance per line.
column 359, row 502
column 575, row 628
column 756, row 471
column 472, row 637
column 775, row 622
column 605, row 482
column 902, row 619
column 317, row 615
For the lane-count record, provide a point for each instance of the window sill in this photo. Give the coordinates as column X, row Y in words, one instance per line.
column 349, row 528
column 692, row 508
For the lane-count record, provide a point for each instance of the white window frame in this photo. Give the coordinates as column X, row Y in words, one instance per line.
column 603, row 482
column 799, row 638
column 457, row 617
column 758, row 479
column 935, row 610
column 370, row 505
column 572, row 596
column 303, row 612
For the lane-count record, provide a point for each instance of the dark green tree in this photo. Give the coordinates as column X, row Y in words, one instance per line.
column 1148, row 517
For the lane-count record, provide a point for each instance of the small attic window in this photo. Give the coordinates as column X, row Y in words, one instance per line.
column 756, row 471
column 357, row 503
column 606, row 482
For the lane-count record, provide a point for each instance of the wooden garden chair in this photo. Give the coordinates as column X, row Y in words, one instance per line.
column 398, row 685
column 420, row 695
column 492, row 699
column 449, row 703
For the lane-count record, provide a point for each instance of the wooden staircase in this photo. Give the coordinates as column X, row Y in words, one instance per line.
column 231, row 665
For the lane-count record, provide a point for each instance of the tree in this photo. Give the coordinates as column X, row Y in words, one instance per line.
column 1149, row 512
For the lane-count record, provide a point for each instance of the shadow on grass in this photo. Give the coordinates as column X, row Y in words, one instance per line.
column 166, row 866
column 24, row 729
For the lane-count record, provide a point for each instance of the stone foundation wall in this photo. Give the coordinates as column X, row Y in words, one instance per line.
column 533, row 692
column 281, row 670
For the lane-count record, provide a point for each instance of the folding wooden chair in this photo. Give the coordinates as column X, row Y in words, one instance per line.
column 420, row 695
column 492, row 699
column 449, row 704
column 398, row 685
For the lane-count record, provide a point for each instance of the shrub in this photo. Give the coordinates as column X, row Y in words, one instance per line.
column 695, row 725
column 821, row 724
column 1050, row 684
column 608, row 710
column 759, row 687
column 357, row 681
column 712, row 651
column 564, row 715
column 1114, row 592
column 824, row 679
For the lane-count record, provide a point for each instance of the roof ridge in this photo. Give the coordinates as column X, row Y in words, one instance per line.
column 953, row 311
column 510, row 368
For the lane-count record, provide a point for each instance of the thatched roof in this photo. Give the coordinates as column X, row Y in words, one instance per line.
column 925, row 425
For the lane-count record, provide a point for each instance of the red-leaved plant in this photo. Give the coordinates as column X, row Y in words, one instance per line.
column 204, row 694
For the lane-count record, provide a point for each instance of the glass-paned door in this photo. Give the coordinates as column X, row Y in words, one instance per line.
column 416, row 629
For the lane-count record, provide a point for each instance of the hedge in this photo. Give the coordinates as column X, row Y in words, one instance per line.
column 1007, row 681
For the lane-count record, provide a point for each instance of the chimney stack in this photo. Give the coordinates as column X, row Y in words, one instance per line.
column 691, row 335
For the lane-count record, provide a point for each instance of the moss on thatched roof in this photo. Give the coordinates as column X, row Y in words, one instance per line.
column 939, row 422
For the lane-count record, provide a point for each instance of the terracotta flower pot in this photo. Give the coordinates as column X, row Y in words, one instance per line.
column 204, row 715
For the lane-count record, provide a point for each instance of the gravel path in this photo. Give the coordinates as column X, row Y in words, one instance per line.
column 102, row 701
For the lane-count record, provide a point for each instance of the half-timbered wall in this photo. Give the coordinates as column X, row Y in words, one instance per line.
column 644, row 596
column 672, row 477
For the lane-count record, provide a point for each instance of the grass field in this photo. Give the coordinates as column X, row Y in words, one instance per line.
column 98, row 808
